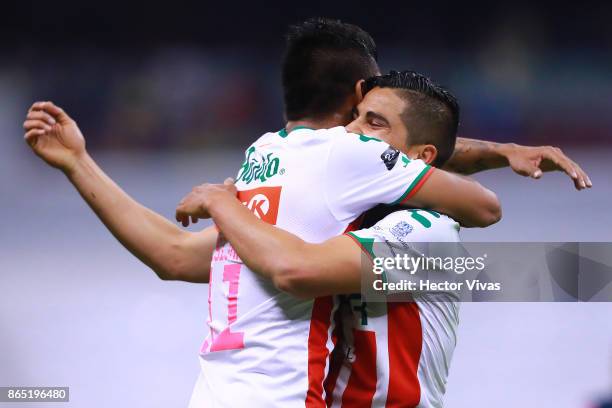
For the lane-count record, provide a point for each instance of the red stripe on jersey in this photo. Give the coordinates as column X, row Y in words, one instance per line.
column 317, row 350
column 335, row 364
column 361, row 386
column 418, row 186
column 317, row 345
column 405, row 344
column 355, row 224
column 337, row 357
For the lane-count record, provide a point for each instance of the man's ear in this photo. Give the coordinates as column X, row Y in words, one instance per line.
column 427, row 153
column 359, row 90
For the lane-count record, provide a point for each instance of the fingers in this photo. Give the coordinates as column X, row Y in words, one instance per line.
column 536, row 172
column 41, row 116
column 33, row 133
column 31, row 136
column 194, row 207
column 185, row 219
column 182, row 217
column 50, row 108
column 36, row 124
column 568, row 166
column 580, row 181
column 231, row 186
column 583, row 174
column 533, row 162
column 527, row 168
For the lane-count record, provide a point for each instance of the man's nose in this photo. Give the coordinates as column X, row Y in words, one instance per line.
column 353, row 127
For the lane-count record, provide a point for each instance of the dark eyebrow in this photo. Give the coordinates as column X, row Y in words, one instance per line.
column 374, row 115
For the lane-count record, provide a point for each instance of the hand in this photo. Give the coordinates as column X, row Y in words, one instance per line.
column 196, row 204
column 532, row 161
column 53, row 135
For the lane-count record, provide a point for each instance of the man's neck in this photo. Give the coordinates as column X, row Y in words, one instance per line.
column 323, row 123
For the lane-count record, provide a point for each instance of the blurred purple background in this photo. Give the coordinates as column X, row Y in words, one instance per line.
column 207, row 74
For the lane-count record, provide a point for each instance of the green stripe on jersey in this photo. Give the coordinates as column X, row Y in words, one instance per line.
column 283, row 132
column 413, row 184
column 365, row 138
column 367, row 244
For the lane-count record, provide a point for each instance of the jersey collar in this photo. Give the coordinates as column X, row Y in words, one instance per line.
column 283, row 132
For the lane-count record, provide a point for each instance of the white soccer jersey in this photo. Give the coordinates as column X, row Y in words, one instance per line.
column 397, row 354
column 267, row 348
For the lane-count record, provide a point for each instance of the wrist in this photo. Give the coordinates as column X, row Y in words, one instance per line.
column 76, row 164
column 214, row 203
column 504, row 151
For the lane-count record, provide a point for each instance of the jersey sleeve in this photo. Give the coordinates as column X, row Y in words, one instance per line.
column 411, row 226
column 415, row 233
column 363, row 171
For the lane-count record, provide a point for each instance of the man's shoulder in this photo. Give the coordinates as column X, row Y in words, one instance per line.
column 416, row 224
column 337, row 133
column 301, row 135
column 267, row 138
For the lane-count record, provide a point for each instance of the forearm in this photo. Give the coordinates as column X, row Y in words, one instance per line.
column 459, row 197
column 150, row 237
column 476, row 207
column 471, row 156
column 302, row 269
column 267, row 250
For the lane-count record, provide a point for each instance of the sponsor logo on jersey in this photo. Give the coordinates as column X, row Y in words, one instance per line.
column 401, row 229
column 263, row 202
column 389, row 157
column 258, row 166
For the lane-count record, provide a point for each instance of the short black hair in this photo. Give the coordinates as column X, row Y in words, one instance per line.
column 324, row 60
column 432, row 112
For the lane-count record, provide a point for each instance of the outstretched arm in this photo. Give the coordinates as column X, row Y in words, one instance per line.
column 297, row 267
column 173, row 253
column 471, row 156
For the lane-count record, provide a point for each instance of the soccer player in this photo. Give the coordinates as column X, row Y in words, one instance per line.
column 401, row 351
column 394, row 354
column 323, row 65
column 267, row 347
column 397, row 353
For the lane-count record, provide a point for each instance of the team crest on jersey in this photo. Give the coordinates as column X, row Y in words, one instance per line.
column 389, row 157
column 263, row 202
column 258, row 166
column 401, row 229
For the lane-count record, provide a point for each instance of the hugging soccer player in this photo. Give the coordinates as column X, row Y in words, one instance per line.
column 267, row 347
column 393, row 354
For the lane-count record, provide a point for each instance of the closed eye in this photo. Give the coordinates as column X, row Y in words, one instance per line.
column 376, row 120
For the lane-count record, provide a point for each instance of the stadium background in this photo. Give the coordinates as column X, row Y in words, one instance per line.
column 169, row 96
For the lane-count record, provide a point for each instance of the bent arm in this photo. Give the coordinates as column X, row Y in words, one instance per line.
column 173, row 254
column 297, row 267
column 461, row 198
column 362, row 175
